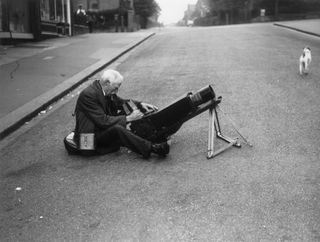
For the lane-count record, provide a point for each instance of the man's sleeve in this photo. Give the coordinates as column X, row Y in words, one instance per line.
column 94, row 111
column 121, row 101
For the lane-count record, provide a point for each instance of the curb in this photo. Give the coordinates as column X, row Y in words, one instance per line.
column 296, row 29
column 18, row 117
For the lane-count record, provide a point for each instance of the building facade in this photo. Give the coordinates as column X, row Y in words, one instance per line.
column 19, row 19
column 32, row 19
column 117, row 13
column 55, row 17
column 35, row 19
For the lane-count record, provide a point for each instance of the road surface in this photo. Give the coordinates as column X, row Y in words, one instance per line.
column 265, row 193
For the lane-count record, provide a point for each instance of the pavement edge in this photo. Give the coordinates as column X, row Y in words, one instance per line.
column 296, row 29
column 18, row 117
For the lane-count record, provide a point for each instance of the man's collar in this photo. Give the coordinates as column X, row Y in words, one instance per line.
column 104, row 94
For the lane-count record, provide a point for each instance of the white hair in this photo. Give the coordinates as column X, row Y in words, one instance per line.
column 111, row 76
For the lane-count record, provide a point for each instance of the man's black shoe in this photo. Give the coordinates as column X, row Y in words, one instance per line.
column 161, row 149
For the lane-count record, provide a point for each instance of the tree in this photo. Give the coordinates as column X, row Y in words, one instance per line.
column 276, row 8
column 146, row 9
column 228, row 8
column 228, row 11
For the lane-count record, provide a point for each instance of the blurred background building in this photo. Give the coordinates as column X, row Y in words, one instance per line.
column 219, row 12
column 19, row 19
column 39, row 19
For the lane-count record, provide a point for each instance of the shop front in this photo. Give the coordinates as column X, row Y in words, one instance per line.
column 55, row 17
column 18, row 19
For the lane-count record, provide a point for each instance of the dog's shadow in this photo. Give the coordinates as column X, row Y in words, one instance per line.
column 305, row 76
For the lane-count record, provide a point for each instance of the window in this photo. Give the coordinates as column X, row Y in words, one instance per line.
column 53, row 10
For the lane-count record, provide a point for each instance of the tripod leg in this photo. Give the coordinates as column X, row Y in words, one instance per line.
column 214, row 129
column 219, row 133
column 236, row 128
column 211, row 133
column 218, row 128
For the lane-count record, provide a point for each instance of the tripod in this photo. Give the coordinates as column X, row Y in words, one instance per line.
column 168, row 121
column 215, row 131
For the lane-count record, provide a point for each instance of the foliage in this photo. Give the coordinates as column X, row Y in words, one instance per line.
column 237, row 11
column 226, row 5
column 287, row 6
column 146, row 8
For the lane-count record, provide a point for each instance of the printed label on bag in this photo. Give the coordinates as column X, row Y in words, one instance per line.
column 87, row 141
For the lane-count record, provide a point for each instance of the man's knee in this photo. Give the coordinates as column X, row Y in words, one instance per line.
column 118, row 129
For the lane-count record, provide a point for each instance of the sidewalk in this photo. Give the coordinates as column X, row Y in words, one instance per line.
column 34, row 75
column 310, row 26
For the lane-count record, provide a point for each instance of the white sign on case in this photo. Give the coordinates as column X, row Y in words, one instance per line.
column 87, row 141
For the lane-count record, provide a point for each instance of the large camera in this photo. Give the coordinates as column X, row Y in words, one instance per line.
column 158, row 126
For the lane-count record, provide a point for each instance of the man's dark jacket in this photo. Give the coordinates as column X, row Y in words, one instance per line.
column 96, row 112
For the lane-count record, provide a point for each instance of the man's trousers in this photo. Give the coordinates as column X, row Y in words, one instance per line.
column 117, row 136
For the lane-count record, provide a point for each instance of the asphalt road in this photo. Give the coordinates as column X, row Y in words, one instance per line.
column 269, row 192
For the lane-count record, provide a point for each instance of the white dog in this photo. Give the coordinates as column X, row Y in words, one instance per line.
column 304, row 61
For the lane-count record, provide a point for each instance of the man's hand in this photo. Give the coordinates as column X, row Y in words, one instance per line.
column 136, row 114
column 149, row 107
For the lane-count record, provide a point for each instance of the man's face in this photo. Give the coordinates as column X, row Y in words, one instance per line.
column 111, row 88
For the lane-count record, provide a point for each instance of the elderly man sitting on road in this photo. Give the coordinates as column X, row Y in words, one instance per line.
column 98, row 120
